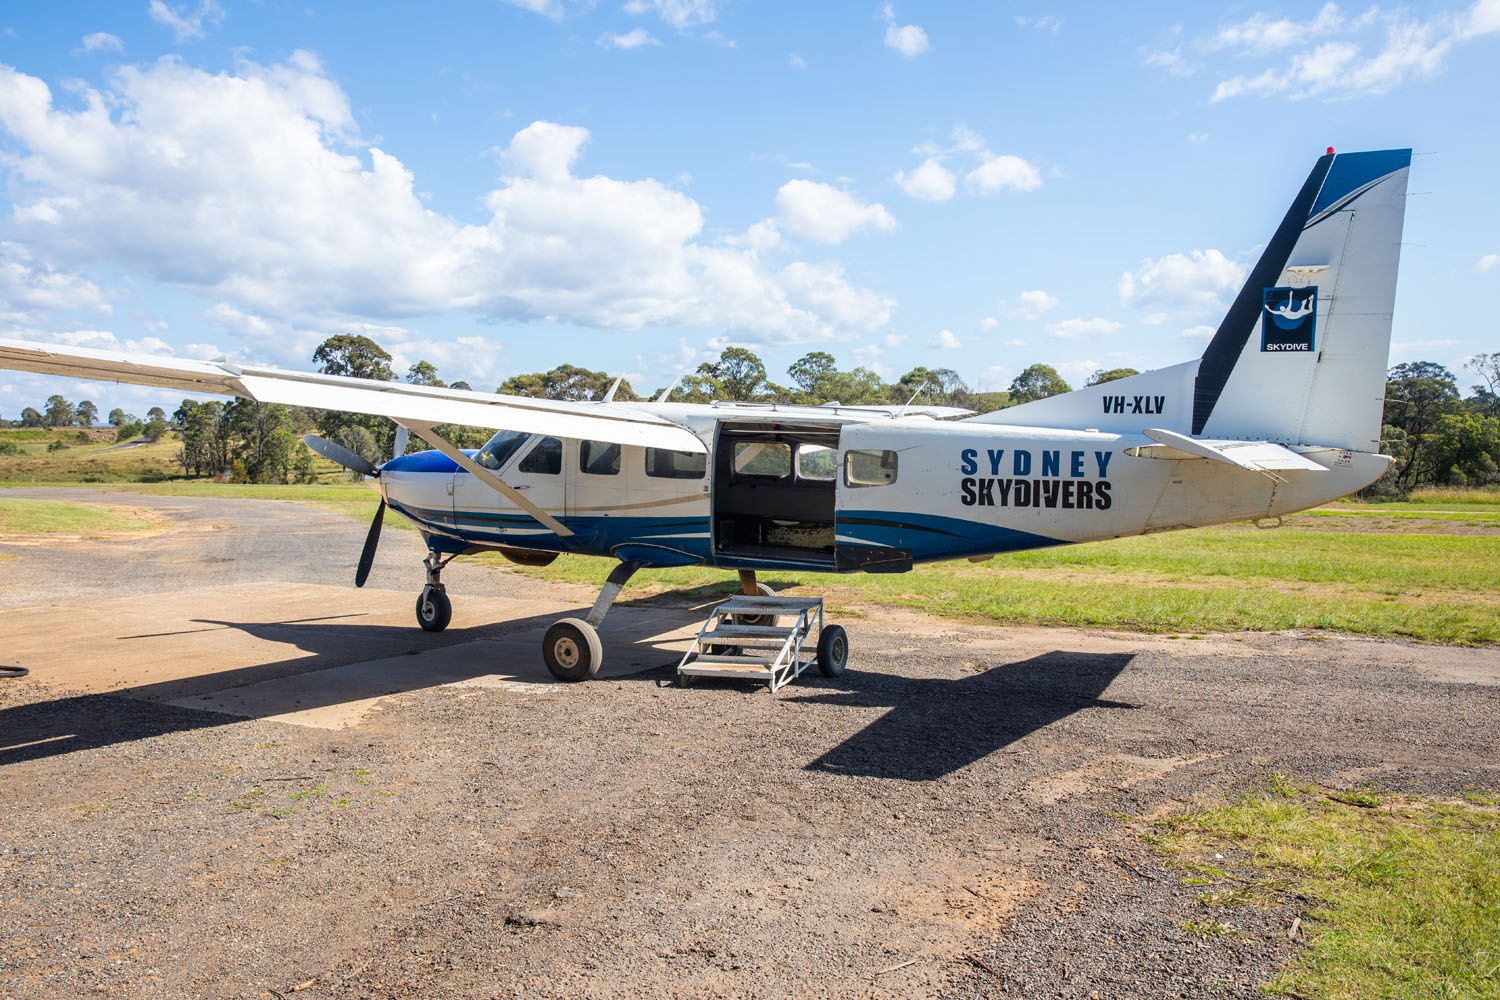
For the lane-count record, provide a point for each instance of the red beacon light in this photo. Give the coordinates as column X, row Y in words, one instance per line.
column 1330, row 150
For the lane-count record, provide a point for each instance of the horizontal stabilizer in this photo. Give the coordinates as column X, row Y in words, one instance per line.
column 1253, row 456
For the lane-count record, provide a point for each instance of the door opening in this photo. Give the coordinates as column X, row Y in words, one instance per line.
column 773, row 492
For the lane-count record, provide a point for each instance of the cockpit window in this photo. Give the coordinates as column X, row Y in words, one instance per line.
column 499, row 449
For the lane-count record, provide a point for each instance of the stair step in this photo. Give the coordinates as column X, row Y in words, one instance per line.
column 759, row 642
column 725, row 670
column 758, row 661
column 744, row 602
column 753, row 631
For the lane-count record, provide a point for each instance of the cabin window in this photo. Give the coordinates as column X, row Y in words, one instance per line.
column 545, row 459
column 666, row 464
column 816, row 462
column 599, row 458
column 767, row 459
column 869, row 468
column 499, row 449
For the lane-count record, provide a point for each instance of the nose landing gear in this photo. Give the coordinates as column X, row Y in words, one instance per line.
column 434, row 609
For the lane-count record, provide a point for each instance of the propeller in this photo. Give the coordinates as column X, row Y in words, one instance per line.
column 372, row 541
column 340, row 455
column 354, row 463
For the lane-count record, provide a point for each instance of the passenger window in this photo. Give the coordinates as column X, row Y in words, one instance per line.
column 599, row 458
column 545, row 458
column 665, row 464
column 816, row 461
column 869, row 468
column 770, row 459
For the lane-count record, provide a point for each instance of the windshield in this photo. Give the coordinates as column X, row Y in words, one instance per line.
column 498, row 450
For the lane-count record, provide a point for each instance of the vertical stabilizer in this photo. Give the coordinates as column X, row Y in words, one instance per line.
column 1301, row 356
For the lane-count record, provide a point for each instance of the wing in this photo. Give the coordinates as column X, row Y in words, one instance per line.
column 397, row 400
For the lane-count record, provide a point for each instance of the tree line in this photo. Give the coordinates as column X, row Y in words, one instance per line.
column 1437, row 435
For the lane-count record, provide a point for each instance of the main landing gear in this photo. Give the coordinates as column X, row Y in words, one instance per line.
column 571, row 646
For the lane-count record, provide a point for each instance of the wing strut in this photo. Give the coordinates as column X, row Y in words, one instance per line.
column 427, row 433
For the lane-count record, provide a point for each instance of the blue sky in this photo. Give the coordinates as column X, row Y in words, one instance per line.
column 632, row 184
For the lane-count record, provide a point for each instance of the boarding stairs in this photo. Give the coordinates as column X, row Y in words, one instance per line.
column 755, row 638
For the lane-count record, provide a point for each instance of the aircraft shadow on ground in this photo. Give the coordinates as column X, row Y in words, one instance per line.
column 936, row 727
column 84, row 722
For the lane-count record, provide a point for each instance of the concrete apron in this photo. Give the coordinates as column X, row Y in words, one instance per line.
column 311, row 655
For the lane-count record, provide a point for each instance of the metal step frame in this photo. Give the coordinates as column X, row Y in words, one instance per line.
column 771, row 654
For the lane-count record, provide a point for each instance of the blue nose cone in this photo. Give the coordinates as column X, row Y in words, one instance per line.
column 422, row 461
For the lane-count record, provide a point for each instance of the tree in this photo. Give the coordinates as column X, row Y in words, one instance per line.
column 360, row 441
column 566, row 382
column 59, row 412
column 1486, row 397
column 1037, row 382
column 156, row 413
column 118, row 417
column 1417, row 395
column 87, row 413
column 30, row 417
column 424, row 373
column 354, row 355
column 938, row 387
column 205, row 437
column 738, row 375
column 812, row 373
column 155, row 429
column 1464, row 450
column 1109, row 375
column 461, row 384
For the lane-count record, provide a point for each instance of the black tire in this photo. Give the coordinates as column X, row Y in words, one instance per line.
column 765, row 591
column 833, row 650
column 434, row 610
column 572, row 650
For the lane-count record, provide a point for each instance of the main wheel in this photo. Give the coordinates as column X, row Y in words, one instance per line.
column 833, row 651
column 572, row 650
column 434, row 610
column 758, row 619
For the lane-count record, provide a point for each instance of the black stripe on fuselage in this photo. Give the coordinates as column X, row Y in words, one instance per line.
column 1240, row 322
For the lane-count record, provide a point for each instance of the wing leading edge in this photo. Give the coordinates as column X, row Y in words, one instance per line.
column 396, row 400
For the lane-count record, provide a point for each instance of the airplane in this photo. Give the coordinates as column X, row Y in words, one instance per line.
column 1265, row 423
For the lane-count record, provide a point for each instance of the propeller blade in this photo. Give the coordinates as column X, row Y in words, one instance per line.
column 372, row 541
column 340, row 455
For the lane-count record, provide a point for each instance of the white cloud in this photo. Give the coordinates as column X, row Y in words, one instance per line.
column 1196, row 280
column 797, row 62
column 680, row 14
column 987, row 172
column 1201, row 332
column 546, row 8
column 187, row 24
column 1046, row 22
column 1487, row 263
column 1414, row 348
column 319, row 227
column 101, row 41
column 999, row 172
column 1068, row 329
column 633, row 39
column 827, row 214
column 1335, row 55
column 931, row 181
column 1172, row 61
column 1030, row 305
column 989, row 325
column 30, row 288
column 1014, row 343
column 1197, row 138
column 945, row 341
column 1077, row 371
column 907, row 39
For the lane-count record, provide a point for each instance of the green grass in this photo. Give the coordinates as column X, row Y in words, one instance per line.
column 1456, row 494
column 1405, row 892
column 56, row 517
column 98, row 461
column 1432, row 587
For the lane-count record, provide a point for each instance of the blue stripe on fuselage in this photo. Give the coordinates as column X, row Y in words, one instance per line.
column 930, row 537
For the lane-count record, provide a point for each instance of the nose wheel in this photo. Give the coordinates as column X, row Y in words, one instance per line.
column 572, row 650
column 434, row 610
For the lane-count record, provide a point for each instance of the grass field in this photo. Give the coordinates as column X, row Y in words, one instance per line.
column 101, row 460
column 55, row 517
column 1406, row 892
column 1427, row 569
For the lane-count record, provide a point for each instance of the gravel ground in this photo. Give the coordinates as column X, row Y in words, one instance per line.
column 958, row 816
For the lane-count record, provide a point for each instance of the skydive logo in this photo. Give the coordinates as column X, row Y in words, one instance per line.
column 1288, row 318
column 1072, row 480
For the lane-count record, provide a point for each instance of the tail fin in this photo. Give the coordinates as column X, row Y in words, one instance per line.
column 1301, row 356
